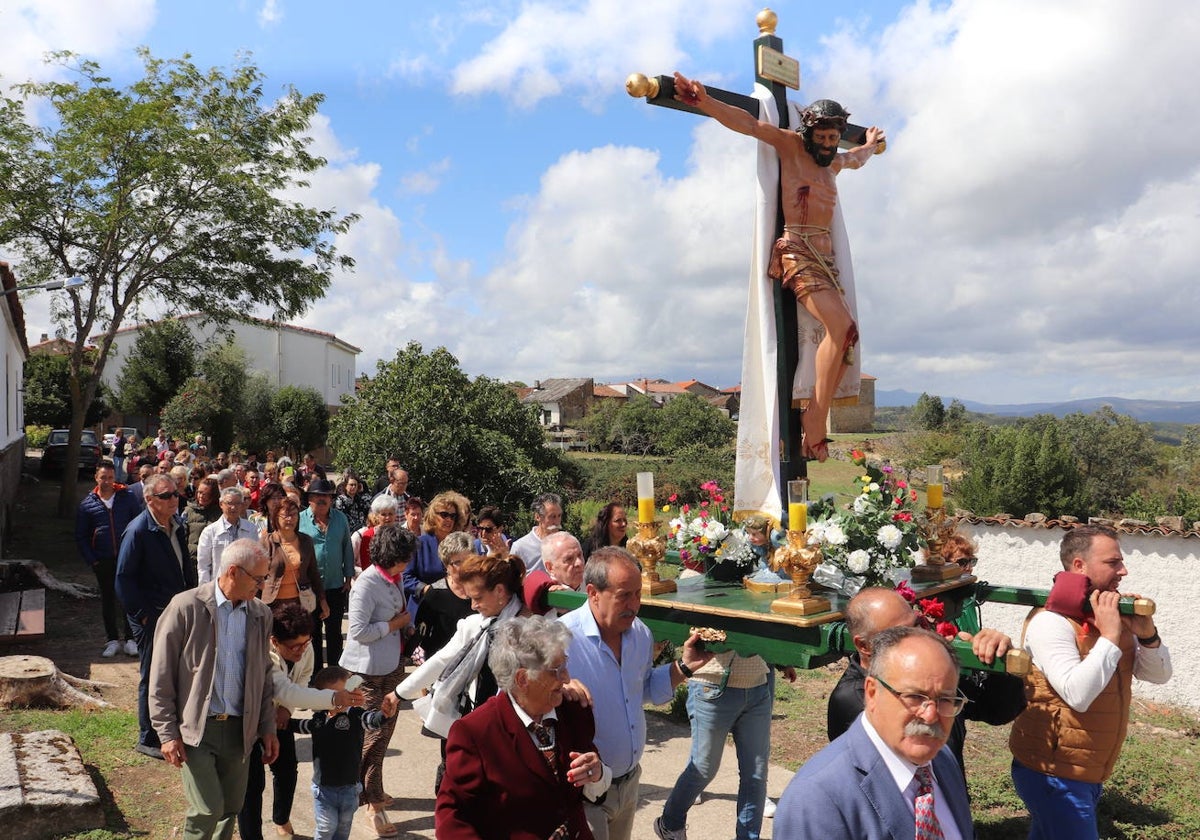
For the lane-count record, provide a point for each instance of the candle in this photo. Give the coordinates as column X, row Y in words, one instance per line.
column 798, row 505
column 797, row 516
column 645, row 496
column 934, row 488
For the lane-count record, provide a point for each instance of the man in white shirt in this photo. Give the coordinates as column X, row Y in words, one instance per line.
column 890, row 774
column 1085, row 655
column 215, row 538
column 547, row 518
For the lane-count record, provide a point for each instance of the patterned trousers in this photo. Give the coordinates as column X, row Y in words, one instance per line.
column 375, row 742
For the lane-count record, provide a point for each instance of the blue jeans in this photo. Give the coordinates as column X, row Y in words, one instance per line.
column 335, row 806
column 143, row 635
column 1061, row 809
column 715, row 713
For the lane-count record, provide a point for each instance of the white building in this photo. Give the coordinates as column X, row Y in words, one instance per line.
column 13, row 352
column 287, row 354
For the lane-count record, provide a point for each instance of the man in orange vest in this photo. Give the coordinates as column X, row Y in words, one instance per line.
column 1085, row 656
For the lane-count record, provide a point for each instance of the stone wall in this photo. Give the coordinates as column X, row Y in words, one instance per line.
column 1163, row 568
column 11, row 460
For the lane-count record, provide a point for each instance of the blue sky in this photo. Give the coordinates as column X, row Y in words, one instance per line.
column 1013, row 244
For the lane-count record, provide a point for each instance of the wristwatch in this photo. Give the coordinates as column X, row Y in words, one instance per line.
column 684, row 669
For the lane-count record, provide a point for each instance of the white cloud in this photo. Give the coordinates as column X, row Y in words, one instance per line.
column 427, row 180
column 589, row 47
column 270, row 14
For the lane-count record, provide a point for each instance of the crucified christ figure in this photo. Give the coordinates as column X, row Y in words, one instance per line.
column 803, row 259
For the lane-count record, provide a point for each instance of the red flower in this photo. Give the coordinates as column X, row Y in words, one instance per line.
column 912, row 494
column 686, row 508
column 902, row 516
column 906, row 591
column 901, row 484
column 932, row 607
column 673, row 497
column 947, row 629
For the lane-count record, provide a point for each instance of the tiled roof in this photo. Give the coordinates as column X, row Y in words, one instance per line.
column 1164, row 526
column 606, row 391
column 553, row 390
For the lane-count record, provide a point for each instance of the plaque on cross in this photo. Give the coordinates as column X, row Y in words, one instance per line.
column 801, row 330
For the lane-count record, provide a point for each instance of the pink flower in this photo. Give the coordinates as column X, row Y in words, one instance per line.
column 704, row 504
column 673, row 497
column 887, row 468
column 686, row 508
column 901, row 484
column 906, row 591
column 912, row 494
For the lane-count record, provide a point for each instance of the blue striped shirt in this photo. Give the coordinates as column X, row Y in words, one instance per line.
column 230, row 673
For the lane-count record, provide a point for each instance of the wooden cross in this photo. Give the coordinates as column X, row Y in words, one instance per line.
column 771, row 66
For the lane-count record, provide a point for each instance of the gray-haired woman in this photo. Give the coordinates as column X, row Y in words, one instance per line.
column 521, row 764
column 377, row 618
column 384, row 511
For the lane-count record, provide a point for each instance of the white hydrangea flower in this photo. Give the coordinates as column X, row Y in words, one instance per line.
column 677, row 524
column 858, row 561
column 833, row 534
column 861, row 503
column 873, row 487
column 890, row 537
column 715, row 530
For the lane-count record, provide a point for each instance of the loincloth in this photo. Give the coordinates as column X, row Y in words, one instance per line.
column 802, row 269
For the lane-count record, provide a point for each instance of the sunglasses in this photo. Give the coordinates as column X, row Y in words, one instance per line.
column 448, row 514
column 165, row 496
column 486, row 529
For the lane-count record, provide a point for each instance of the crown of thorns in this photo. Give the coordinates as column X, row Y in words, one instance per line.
column 824, row 113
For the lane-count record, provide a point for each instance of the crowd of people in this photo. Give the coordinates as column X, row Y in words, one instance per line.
column 251, row 591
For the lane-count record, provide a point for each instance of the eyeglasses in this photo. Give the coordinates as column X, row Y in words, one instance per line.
column 259, row 579
column 485, row 529
column 165, row 496
column 560, row 673
column 447, row 514
column 916, row 703
column 298, row 644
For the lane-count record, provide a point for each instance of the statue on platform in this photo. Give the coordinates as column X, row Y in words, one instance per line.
column 803, row 259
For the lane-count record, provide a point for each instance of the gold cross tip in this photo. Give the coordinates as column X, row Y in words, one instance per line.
column 639, row 84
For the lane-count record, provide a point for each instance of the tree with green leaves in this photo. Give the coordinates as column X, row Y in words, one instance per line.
column 1115, row 454
column 226, row 366
column 161, row 360
column 450, row 432
column 688, row 420
column 48, row 393
column 1021, row 469
column 252, row 424
column 193, row 410
column 168, row 193
column 299, row 418
column 929, row 413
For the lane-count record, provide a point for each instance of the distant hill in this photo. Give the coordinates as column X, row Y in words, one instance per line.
column 1147, row 411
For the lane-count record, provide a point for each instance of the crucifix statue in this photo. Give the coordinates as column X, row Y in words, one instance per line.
column 801, row 326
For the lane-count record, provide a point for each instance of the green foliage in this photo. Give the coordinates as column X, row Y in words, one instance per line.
column 48, row 394
column 226, row 367
column 929, row 413
column 450, row 432
column 177, row 190
column 614, row 479
column 252, row 424
column 162, row 359
column 1021, row 469
column 1114, row 454
column 36, row 436
column 196, row 406
column 918, row 449
column 639, row 426
column 688, row 420
column 299, row 419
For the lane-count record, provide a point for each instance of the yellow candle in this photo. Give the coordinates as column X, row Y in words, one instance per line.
column 645, row 510
column 933, row 493
column 797, row 516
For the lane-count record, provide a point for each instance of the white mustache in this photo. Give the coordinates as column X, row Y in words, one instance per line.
column 921, row 729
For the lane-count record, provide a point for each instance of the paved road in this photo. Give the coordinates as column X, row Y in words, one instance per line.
column 413, row 759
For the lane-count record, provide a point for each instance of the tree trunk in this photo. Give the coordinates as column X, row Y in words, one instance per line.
column 67, row 498
column 36, row 681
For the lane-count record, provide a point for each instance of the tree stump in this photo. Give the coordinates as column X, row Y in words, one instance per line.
column 36, row 681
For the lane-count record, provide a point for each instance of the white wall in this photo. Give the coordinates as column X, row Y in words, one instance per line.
column 286, row 356
column 1161, row 568
column 12, row 361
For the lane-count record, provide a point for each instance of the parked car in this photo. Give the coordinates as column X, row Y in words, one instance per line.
column 54, row 454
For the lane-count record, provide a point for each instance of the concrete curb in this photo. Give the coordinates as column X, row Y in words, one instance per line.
column 44, row 788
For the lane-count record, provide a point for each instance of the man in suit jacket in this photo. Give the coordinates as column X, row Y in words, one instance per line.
column 212, row 687
column 153, row 566
column 520, row 765
column 867, row 784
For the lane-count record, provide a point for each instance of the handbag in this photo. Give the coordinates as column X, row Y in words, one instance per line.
column 308, row 599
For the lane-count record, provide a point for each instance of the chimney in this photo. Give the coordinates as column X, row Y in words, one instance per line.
column 45, row 337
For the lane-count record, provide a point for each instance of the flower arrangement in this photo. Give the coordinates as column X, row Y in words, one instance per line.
column 866, row 541
column 931, row 612
column 698, row 532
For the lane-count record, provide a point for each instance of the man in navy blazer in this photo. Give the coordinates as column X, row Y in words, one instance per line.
column 863, row 785
column 153, row 567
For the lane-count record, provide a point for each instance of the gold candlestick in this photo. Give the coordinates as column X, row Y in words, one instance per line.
column 649, row 547
column 799, row 560
column 936, row 529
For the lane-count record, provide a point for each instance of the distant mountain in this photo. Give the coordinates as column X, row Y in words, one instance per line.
column 1147, row 411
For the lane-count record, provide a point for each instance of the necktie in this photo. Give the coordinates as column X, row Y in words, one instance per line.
column 543, row 734
column 928, row 827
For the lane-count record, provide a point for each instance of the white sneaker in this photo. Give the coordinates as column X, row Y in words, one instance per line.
column 768, row 808
column 110, row 649
column 131, row 647
column 665, row 834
